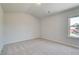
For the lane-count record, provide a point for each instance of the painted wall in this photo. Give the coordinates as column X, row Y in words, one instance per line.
column 20, row 26
column 1, row 27
column 55, row 27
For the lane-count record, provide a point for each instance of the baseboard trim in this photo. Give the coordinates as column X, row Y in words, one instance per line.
column 21, row 41
column 70, row 45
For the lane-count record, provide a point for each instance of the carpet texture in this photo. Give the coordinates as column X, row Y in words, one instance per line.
column 38, row 47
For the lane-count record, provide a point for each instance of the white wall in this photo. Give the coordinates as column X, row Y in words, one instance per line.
column 20, row 26
column 55, row 27
column 1, row 27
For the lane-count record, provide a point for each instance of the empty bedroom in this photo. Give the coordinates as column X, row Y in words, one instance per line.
column 39, row 28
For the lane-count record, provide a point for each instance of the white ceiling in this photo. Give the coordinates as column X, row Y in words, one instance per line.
column 38, row 10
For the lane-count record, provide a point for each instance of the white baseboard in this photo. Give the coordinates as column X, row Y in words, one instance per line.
column 20, row 41
column 66, row 44
column 59, row 42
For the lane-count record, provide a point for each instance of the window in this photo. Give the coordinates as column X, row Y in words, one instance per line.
column 74, row 27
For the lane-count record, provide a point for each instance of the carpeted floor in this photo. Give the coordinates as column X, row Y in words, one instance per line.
column 38, row 47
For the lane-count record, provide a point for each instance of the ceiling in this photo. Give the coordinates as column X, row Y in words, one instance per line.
column 38, row 10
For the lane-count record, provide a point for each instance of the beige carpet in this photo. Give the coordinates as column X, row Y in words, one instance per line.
column 38, row 47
